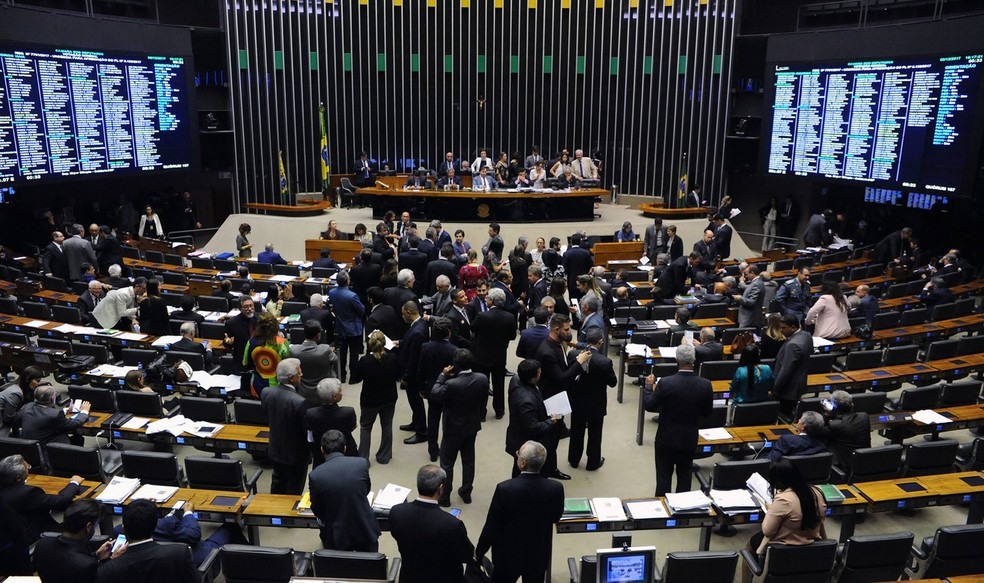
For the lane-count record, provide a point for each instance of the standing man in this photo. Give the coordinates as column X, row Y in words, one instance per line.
column 793, row 297
column 239, row 329
column 577, row 261
column 319, row 360
column 443, row 265
column 533, row 158
column 285, row 410
column 694, row 198
column 364, row 173
column 589, row 402
column 449, row 163
column 77, row 251
column 493, row 331
column 817, row 229
column 349, row 314
column 464, row 394
column 681, row 400
column 583, row 168
column 560, row 368
column 722, row 236
column 531, row 338
column 53, row 257
column 528, row 419
column 494, row 245
column 189, row 214
column 316, row 310
column 750, row 300
column 539, row 288
column 399, row 295
column 330, row 415
column 792, row 364
column 121, row 303
column 338, row 498
column 788, row 218
column 433, row 544
column 519, row 526
column 109, row 250
column 460, row 319
column 435, row 356
column 654, row 241
column 409, row 354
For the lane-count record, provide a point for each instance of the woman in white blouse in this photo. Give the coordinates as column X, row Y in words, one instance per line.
column 482, row 160
column 538, row 175
column 150, row 225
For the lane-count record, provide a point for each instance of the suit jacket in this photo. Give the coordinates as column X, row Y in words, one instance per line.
column 116, row 305
column 556, row 374
column 432, row 543
column 324, row 317
column 693, row 200
column 889, row 248
column 816, row 229
column 681, row 400
column 530, row 341
column 750, row 306
column 153, row 318
column 409, row 354
column 475, row 307
column 535, row 295
column 325, row 262
column 109, row 251
column 78, row 251
column 384, row 319
column 464, row 397
column 577, row 261
column 461, row 335
column 527, row 417
column 439, row 267
column 510, row 305
column 189, row 316
column 520, row 522
column 338, row 498
column 675, row 248
column 442, row 238
column 64, row 560
column 238, row 328
column 318, row 361
column 271, row 257
column 449, row 181
column 434, row 356
column 649, row 245
column 53, row 261
column 285, row 410
column 845, row 433
column 792, row 366
column 710, row 350
column 493, row 331
column 48, row 424
column 86, row 304
column 589, row 394
column 34, row 507
column 364, row 276
column 708, row 254
column 185, row 345
column 428, row 248
column 397, row 296
column 595, row 320
column 349, row 311
column 796, row 445
column 319, row 420
column 672, row 281
column 416, row 260
column 151, row 562
column 722, row 240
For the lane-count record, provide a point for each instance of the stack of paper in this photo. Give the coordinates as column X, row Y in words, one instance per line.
column 158, row 494
column 642, row 509
column 202, row 428
column 929, row 417
column 558, row 404
column 389, row 497
column 111, row 370
column 118, row 490
column 694, row 501
column 608, row 509
column 637, row 350
column 714, row 433
column 734, row 501
column 222, row 381
column 173, row 425
column 760, row 487
column 163, row 341
column 577, row 509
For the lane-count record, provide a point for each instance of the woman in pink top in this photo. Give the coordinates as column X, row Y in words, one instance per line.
column 829, row 313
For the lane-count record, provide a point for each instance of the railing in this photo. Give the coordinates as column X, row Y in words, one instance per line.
column 865, row 13
column 191, row 236
column 777, row 241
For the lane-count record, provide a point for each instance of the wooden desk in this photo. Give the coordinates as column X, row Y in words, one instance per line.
column 251, row 438
column 274, row 510
column 889, row 377
column 52, row 297
column 148, row 244
column 897, row 493
column 54, row 484
column 822, row 268
column 704, row 522
column 657, row 210
column 714, row 323
column 959, row 366
column 342, row 251
column 741, row 436
column 494, row 206
column 960, row 488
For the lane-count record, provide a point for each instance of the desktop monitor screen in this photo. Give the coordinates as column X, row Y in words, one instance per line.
column 629, row 565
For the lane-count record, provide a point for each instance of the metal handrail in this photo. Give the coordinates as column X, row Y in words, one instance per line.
column 776, row 239
column 188, row 235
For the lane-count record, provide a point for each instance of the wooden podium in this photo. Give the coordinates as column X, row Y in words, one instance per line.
column 341, row 251
column 605, row 252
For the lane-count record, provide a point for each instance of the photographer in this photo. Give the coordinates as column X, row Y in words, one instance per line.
column 844, row 430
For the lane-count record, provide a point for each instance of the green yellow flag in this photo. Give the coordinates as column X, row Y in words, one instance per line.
column 325, row 167
column 284, row 189
column 682, row 184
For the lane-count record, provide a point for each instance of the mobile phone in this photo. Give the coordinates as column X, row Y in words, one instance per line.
column 120, row 541
column 689, row 335
column 455, row 512
column 827, row 405
column 178, row 505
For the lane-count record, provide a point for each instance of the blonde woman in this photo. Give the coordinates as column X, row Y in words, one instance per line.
column 378, row 371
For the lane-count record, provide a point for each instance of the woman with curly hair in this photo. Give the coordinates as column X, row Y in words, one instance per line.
column 264, row 351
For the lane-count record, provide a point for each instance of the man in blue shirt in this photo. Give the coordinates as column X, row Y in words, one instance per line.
column 349, row 313
column 268, row 255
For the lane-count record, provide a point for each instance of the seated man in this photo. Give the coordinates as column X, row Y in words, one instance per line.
column 450, row 181
column 268, row 255
column 46, row 422
column 67, row 558
column 325, row 260
column 482, row 181
column 188, row 344
column 867, row 304
column 187, row 311
column 417, row 180
column 708, row 347
column 845, row 430
column 146, row 559
column 807, row 442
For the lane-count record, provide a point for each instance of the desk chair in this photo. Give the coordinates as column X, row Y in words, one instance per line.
column 69, row 460
column 732, row 475
column 66, row 314
column 138, row 403
column 805, row 261
column 718, row 370
column 29, row 449
column 255, row 564
column 637, row 312
column 98, row 352
column 913, row 317
column 886, row 320
column 585, row 571
column 293, row 270
column 880, row 557
column 131, row 252
column 323, row 272
column 9, row 305
column 897, row 290
column 651, row 338
column 965, row 306
column 174, row 278
column 943, row 312
column 291, row 308
column 784, row 264
column 212, row 330
column 143, row 272
column 657, row 311
column 970, row 345
column 194, row 359
column 213, row 304
column 728, row 335
column 861, row 359
column 814, row 468
column 171, row 299
column 821, row 363
column 746, row 414
column 929, row 457
column 261, row 268
column 141, row 357
column 211, row 473
column 333, row 564
column 202, row 263
column 55, row 343
column 172, row 259
column 55, row 284
column 102, row 400
column 249, row 412
column 942, row 349
column 917, row 399
column 346, row 190
column 719, row 310
column 901, row 355
column 153, row 467
column 871, row 463
column 14, row 337
column 970, row 456
column 36, row 310
column 208, row 409
column 810, row 563
column 699, row 566
column 872, row 402
column 953, row 551
column 225, row 264
column 962, row 393
column 806, row 404
column 153, row 256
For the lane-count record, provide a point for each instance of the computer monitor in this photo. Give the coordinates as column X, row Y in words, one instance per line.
column 626, row 565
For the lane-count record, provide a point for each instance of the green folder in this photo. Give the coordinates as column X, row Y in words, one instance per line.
column 577, row 505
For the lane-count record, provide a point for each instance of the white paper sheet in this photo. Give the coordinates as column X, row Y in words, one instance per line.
column 154, row 492
column 929, row 417
column 714, row 433
column 135, row 423
column 643, row 509
column 134, row 336
column 637, row 350
column 760, row 487
column 692, row 500
column 608, row 509
column 165, row 340
column 390, row 496
column 667, row 351
column 118, row 490
column 37, row 323
column 558, row 404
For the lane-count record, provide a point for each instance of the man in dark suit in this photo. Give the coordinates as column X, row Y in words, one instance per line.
column 53, row 259
column 330, row 415
column 30, row 505
column 268, row 255
column 673, row 280
column 188, row 344
column 592, row 317
column 788, row 218
column 559, row 368
column 681, row 400
column 935, row 293
column 109, row 250
column 493, row 331
column 444, row 265
column 288, row 448
column 435, row 355
column 694, row 199
column 503, row 281
column 449, row 181
column 411, row 382
column 654, row 241
column 818, row 229
column 707, row 250
column 867, row 306
column 365, row 274
column 442, row 235
column 845, row 430
column 539, row 287
column 416, row 261
column 433, row 544
column 381, row 315
column 400, row 294
column 364, row 173
column 457, row 313
column 338, row 498
column 589, row 402
column 722, row 236
column 707, row 347
column 792, row 364
column 317, row 311
column 478, row 304
column 449, row 163
column 88, row 301
column 893, row 246
column 577, row 261
column 145, row 559
column 528, row 419
column 464, row 394
column 43, row 420
column 67, row 558
column 239, row 329
column 77, row 251
column 531, row 338
column 521, row 518
column 750, row 301
column 428, row 244
column 807, row 441
column 324, row 260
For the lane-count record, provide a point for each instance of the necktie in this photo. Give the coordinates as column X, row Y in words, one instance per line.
column 485, row 307
column 464, row 315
